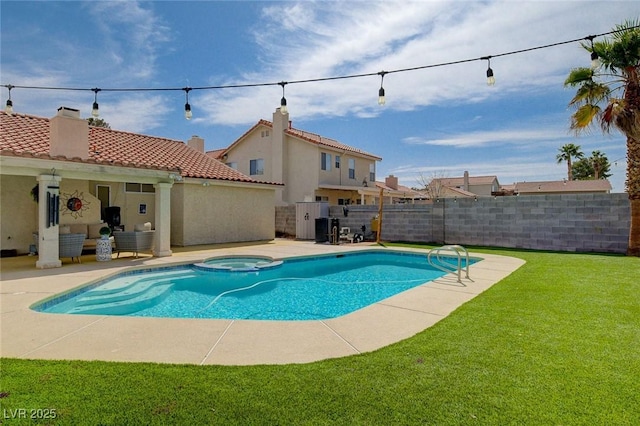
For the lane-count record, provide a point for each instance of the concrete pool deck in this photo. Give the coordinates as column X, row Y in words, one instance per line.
column 28, row 334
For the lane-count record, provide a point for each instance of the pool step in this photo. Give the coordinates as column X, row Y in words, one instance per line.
column 127, row 292
column 144, row 300
column 122, row 283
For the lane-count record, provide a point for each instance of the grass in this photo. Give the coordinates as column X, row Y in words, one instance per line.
column 557, row 342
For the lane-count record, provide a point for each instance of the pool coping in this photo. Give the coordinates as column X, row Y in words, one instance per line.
column 36, row 335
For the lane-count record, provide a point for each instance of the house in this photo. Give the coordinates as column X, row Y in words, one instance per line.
column 312, row 167
column 400, row 194
column 189, row 197
column 599, row 186
column 465, row 186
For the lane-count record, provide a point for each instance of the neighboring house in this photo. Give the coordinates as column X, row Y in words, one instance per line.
column 189, row 197
column 600, row 186
column 312, row 167
column 467, row 186
column 399, row 194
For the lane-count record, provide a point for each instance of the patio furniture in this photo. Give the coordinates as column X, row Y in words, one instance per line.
column 346, row 235
column 70, row 245
column 134, row 242
column 104, row 249
column 90, row 230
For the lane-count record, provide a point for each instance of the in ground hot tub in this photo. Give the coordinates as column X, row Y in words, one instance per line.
column 238, row 263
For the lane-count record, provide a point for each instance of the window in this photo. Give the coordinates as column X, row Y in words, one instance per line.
column 352, row 168
column 233, row 165
column 319, row 198
column 140, row 188
column 372, row 172
column 337, row 161
column 325, row 161
column 256, row 167
column 264, row 133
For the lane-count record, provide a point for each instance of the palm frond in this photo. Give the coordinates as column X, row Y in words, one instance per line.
column 579, row 76
column 590, row 93
column 583, row 117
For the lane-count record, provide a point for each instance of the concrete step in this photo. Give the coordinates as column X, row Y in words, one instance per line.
column 142, row 301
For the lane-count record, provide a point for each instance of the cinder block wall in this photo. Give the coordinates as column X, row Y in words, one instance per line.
column 577, row 223
column 286, row 220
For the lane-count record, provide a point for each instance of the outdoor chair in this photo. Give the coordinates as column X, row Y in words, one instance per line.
column 346, row 235
column 70, row 245
column 135, row 241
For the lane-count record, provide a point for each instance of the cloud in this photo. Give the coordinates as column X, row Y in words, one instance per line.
column 308, row 40
column 487, row 137
column 132, row 37
column 135, row 112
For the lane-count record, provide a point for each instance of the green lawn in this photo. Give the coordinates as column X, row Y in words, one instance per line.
column 555, row 343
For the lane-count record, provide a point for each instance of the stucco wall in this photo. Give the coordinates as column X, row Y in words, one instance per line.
column 255, row 146
column 18, row 213
column 129, row 204
column 219, row 214
column 303, row 163
column 583, row 223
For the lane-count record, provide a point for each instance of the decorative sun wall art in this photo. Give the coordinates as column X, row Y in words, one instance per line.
column 73, row 204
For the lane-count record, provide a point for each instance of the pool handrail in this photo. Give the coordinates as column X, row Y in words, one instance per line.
column 439, row 264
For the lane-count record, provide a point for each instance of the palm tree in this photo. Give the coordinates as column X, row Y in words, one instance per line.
column 599, row 162
column 567, row 152
column 597, row 97
column 595, row 167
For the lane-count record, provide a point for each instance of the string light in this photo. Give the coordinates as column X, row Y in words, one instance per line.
column 595, row 59
column 381, row 98
column 95, row 109
column 187, row 107
column 491, row 80
column 595, row 62
column 283, row 101
column 9, row 107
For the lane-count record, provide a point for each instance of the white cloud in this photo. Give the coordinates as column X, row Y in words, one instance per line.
column 483, row 138
column 135, row 112
column 322, row 39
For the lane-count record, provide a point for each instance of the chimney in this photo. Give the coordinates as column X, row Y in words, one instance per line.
column 391, row 181
column 197, row 143
column 69, row 134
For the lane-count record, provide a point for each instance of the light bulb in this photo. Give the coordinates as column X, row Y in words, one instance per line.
column 187, row 111
column 491, row 80
column 595, row 60
column 283, row 106
column 9, row 108
column 381, row 98
column 95, row 110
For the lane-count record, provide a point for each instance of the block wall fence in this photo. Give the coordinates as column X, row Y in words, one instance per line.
column 573, row 222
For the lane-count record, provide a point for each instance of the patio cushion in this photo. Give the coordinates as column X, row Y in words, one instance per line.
column 142, row 227
column 94, row 230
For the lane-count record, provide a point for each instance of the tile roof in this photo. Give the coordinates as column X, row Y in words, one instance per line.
column 331, row 143
column 308, row 137
column 28, row 136
column 408, row 192
column 473, row 180
column 600, row 185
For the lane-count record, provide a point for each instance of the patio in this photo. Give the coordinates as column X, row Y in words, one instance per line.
column 33, row 335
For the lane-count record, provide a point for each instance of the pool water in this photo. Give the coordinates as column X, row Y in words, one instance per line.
column 320, row 287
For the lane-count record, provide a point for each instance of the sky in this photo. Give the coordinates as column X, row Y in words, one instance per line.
column 438, row 121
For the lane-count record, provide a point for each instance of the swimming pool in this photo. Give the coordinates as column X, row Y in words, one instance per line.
column 308, row 288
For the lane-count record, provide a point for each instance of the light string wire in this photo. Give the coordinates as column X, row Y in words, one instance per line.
column 321, row 79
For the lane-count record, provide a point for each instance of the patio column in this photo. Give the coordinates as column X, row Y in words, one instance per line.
column 48, row 228
column 162, row 240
